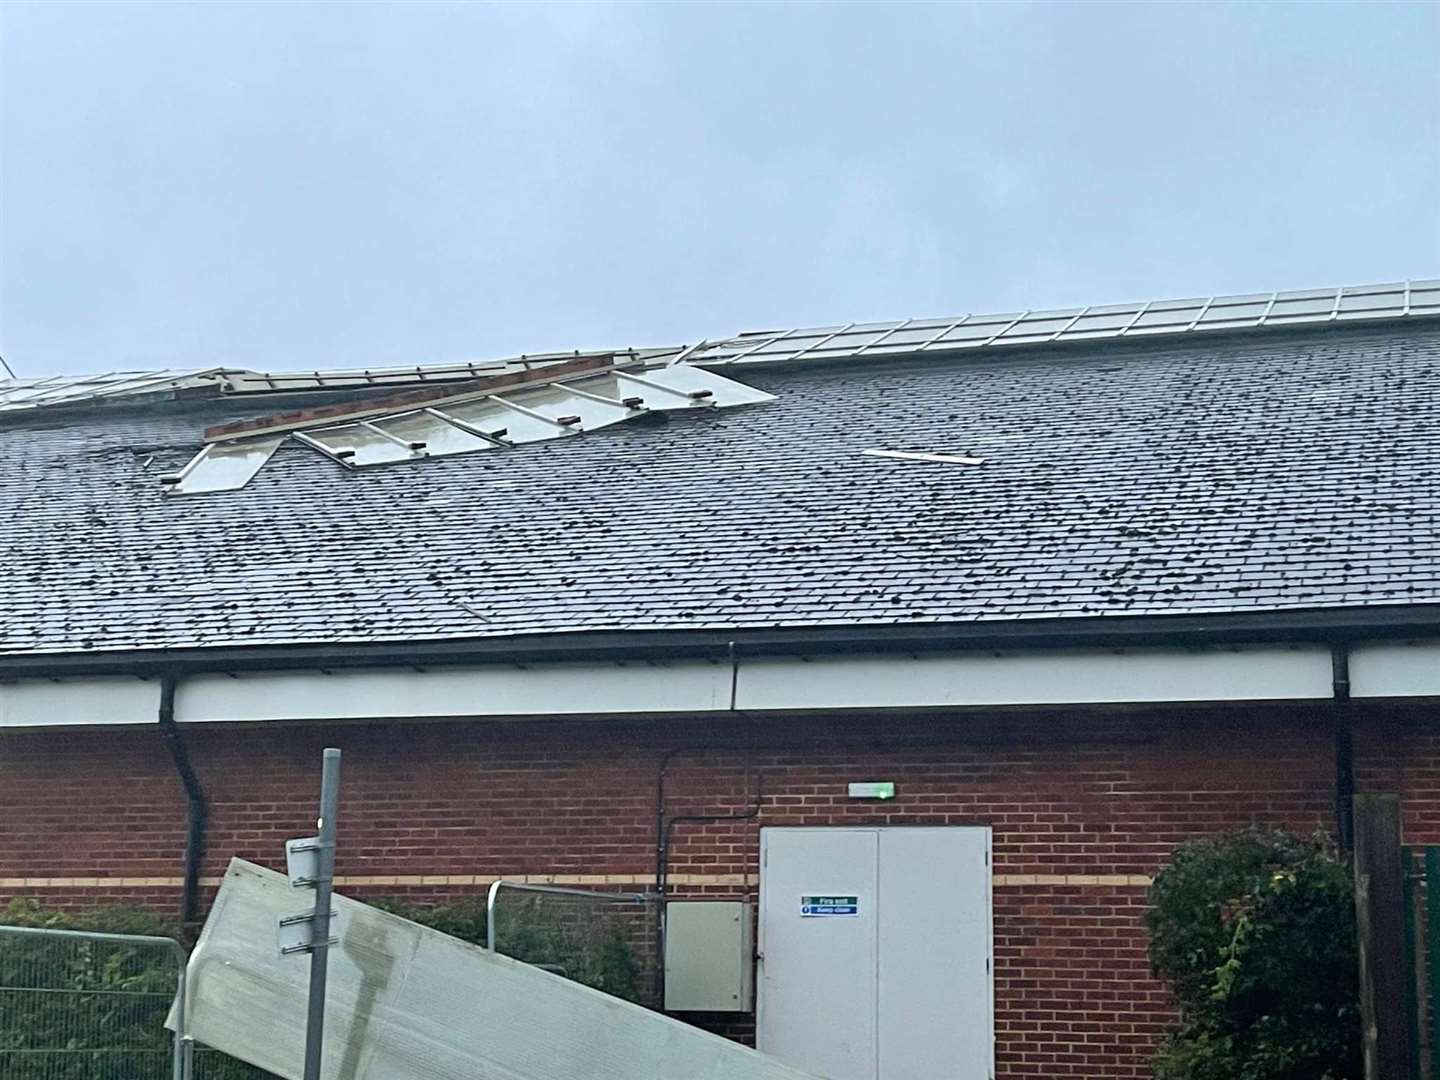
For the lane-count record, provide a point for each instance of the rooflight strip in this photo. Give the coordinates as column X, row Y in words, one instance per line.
column 175, row 479
column 1204, row 309
column 627, row 377
column 571, row 388
column 222, row 467
column 405, row 444
column 824, row 340
column 1066, row 328
column 769, row 339
column 881, row 339
column 469, row 428
column 316, row 444
column 996, row 337
column 1138, row 316
column 688, row 351
column 946, row 330
column 535, row 414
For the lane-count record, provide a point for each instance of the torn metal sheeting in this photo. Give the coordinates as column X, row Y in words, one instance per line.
column 402, row 399
column 925, row 455
column 52, row 390
column 407, row 1001
column 467, row 422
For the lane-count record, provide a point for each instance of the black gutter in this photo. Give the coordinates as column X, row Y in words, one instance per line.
column 197, row 811
column 1326, row 626
column 1344, row 749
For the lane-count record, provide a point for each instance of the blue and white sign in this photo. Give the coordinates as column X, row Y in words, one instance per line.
column 829, row 906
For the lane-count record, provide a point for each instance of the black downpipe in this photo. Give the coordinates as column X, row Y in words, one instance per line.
column 198, row 809
column 1344, row 749
column 663, row 827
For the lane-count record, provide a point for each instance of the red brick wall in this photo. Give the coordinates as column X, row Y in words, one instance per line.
column 1069, row 795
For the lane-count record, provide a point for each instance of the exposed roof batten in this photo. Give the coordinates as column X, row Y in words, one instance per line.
column 1384, row 302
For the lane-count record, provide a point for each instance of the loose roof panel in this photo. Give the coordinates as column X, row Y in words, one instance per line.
column 502, row 412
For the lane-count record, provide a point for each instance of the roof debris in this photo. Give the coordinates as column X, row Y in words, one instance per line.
column 925, row 455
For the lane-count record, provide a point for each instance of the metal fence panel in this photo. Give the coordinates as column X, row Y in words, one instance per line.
column 77, row 1006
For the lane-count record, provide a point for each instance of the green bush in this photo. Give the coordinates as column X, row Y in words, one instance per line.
column 571, row 940
column 1255, row 933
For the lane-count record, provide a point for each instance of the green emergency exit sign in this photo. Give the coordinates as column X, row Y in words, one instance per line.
column 873, row 789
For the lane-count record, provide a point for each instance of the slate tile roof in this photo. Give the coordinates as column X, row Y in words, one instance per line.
column 1239, row 473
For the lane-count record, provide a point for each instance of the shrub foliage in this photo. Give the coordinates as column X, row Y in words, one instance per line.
column 76, row 1010
column 1255, row 933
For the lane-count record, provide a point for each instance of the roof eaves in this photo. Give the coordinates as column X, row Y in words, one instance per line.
column 1332, row 625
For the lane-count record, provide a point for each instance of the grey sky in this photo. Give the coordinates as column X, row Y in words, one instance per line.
column 297, row 185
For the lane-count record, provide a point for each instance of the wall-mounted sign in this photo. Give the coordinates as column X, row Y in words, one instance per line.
column 815, row 906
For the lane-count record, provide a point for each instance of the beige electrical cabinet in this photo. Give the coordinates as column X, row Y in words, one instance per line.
column 709, row 956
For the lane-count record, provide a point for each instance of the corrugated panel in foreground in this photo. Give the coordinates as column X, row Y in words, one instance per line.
column 409, row 1003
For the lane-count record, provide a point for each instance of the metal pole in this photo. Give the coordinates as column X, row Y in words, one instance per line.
column 320, row 950
column 490, row 898
column 184, row 1060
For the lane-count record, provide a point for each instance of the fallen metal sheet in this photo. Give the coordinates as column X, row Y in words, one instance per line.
column 410, row 1003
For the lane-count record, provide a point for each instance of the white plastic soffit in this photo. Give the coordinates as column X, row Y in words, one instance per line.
column 407, row 1001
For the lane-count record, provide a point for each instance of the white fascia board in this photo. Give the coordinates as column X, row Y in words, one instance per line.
column 948, row 680
column 1069, row 677
column 495, row 690
column 1395, row 669
column 102, row 700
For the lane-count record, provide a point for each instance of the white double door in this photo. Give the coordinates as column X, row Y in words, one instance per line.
column 875, row 952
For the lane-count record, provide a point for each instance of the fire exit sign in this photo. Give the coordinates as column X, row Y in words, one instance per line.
column 813, row 906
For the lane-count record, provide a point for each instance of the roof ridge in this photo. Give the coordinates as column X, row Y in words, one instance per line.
column 1153, row 318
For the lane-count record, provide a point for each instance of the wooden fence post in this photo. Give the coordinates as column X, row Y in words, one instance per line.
column 1380, row 924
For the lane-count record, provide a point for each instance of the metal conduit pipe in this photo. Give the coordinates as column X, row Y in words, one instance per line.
column 197, row 808
column 663, row 827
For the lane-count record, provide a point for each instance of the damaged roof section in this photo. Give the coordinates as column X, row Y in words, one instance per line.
column 498, row 413
column 201, row 382
column 1190, row 476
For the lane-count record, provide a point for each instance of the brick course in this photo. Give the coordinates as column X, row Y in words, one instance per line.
column 1084, row 804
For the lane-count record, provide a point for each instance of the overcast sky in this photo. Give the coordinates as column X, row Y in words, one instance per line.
column 301, row 185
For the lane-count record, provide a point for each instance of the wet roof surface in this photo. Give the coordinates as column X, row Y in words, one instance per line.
column 1237, row 473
